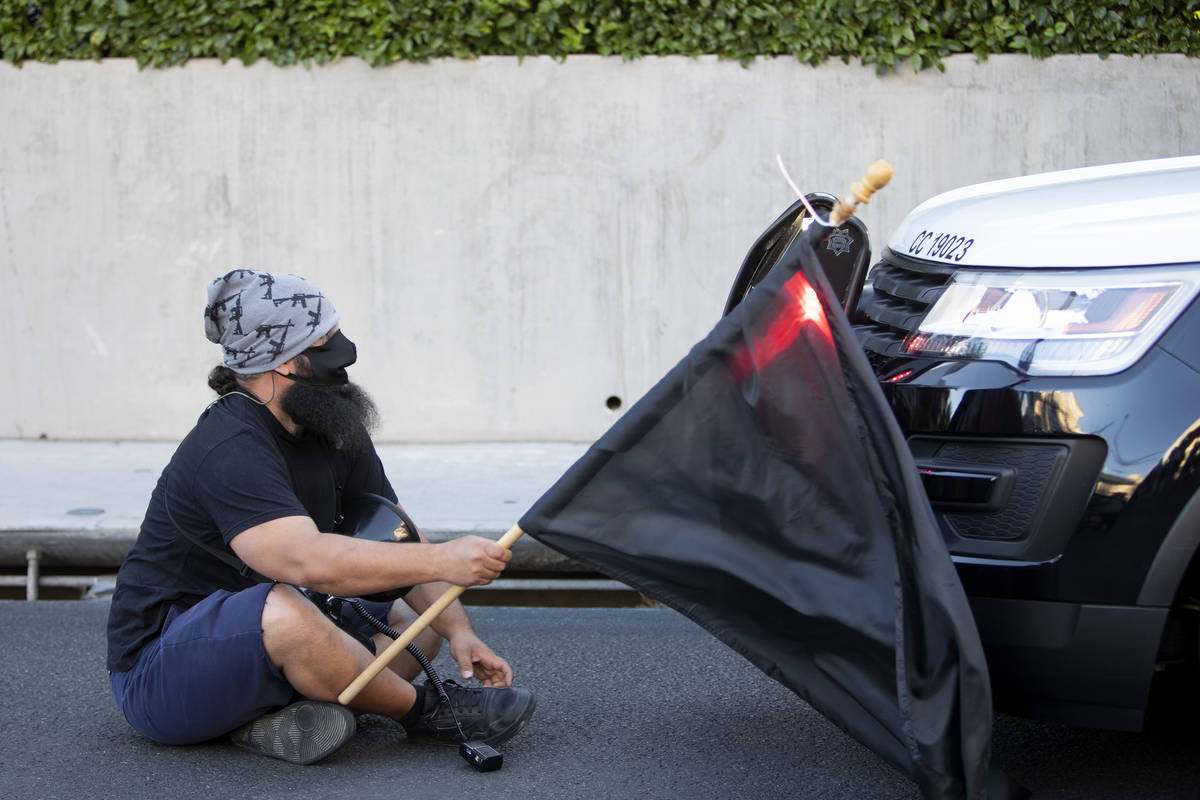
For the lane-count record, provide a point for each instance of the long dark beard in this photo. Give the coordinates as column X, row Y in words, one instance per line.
column 341, row 416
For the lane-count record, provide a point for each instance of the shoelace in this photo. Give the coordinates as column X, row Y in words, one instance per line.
column 466, row 700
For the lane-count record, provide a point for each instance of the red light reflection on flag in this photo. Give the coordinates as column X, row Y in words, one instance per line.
column 798, row 306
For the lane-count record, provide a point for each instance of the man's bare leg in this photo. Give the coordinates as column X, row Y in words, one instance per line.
column 320, row 660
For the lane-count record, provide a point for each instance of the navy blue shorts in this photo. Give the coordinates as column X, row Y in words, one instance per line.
column 208, row 672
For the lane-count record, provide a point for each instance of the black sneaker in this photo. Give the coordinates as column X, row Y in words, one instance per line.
column 301, row 733
column 491, row 716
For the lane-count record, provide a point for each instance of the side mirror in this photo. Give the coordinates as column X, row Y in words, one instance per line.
column 844, row 255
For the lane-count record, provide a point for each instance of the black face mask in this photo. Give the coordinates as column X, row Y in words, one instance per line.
column 327, row 363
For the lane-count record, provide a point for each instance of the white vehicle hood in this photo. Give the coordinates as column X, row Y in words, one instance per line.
column 1131, row 214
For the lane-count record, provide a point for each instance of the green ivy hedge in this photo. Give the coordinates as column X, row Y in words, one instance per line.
column 886, row 33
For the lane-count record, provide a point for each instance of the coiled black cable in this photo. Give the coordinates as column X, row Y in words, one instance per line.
column 413, row 651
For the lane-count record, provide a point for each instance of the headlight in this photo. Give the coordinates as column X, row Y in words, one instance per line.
column 1081, row 322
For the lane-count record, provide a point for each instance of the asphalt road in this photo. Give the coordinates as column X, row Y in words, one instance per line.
column 633, row 703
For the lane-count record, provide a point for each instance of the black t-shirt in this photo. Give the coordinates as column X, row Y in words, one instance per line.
column 237, row 468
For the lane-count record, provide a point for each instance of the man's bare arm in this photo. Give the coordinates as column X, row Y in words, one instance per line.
column 293, row 550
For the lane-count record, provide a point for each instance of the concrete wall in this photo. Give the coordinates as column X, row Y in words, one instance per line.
column 510, row 245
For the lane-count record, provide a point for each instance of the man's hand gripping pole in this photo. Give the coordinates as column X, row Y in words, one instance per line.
column 412, row 631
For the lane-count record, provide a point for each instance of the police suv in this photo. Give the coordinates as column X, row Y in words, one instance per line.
column 1038, row 340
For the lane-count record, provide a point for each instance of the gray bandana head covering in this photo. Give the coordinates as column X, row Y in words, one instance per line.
column 262, row 320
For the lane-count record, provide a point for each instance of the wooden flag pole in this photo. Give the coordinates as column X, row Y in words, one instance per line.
column 412, row 631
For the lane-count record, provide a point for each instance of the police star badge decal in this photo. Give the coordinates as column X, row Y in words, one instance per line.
column 839, row 242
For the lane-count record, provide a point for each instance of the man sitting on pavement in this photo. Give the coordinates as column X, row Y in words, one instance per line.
column 198, row 648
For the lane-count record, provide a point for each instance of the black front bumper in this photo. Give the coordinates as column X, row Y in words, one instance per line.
column 1054, row 497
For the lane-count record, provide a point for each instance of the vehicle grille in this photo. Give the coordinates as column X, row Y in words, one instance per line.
column 903, row 290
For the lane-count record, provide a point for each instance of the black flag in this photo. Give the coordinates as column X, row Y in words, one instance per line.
column 763, row 489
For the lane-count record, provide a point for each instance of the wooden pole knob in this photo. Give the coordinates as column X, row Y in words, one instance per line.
column 874, row 179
